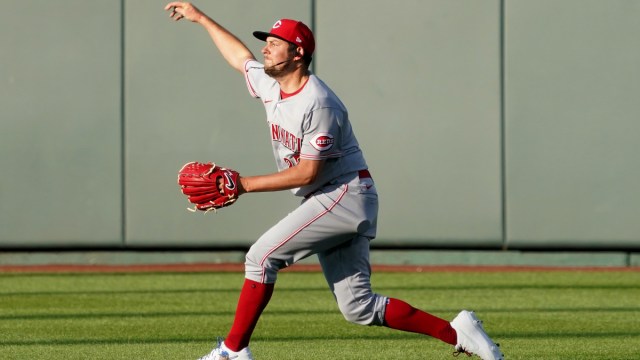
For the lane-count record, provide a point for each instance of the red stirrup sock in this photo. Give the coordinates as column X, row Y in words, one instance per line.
column 402, row 316
column 254, row 297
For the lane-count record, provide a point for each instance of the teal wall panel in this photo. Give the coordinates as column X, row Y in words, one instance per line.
column 421, row 80
column 448, row 98
column 60, row 183
column 572, row 123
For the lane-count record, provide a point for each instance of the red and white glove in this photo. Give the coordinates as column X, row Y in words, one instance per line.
column 208, row 186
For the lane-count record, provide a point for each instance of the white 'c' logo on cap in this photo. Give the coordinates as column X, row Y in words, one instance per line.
column 277, row 24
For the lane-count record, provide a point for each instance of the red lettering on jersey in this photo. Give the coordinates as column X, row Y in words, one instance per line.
column 274, row 132
column 287, row 139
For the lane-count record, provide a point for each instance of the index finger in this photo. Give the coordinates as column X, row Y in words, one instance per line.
column 172, row 5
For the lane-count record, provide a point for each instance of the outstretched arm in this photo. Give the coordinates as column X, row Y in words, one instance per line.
column 231, row 48
column 302, row 174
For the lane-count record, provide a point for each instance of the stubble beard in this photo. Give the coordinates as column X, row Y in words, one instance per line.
column 275, row 72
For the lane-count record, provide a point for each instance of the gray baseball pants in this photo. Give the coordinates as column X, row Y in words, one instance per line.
column 336, row 223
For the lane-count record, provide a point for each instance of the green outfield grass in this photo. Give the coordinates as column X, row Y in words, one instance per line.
column 534, row 315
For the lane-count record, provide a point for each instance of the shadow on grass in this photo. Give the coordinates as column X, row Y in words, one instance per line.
column 275, row 312
column 271, row 338
column 379, row 289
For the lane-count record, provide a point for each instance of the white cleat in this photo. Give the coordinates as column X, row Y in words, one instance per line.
column 472, row 339
column 220, row 352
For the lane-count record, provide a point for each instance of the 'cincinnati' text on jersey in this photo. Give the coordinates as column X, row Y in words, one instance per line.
column 286, row 138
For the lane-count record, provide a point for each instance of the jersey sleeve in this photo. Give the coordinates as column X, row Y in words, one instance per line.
column 322, row 134
column 255, row 77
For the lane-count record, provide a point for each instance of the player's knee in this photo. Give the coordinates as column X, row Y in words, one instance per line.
column 365, row 311
column 358, row 317
column 257, row 267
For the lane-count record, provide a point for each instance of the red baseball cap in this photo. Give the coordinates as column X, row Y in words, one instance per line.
column 292, row 31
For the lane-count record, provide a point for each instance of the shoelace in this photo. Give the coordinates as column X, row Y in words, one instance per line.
column 462, row 351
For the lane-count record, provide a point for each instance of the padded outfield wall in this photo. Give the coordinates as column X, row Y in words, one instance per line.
column 486, row 124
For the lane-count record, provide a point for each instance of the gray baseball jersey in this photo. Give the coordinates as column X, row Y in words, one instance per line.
column 313, row 124
column 338, row 215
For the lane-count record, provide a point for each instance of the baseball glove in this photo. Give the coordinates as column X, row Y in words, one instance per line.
column 208, row 186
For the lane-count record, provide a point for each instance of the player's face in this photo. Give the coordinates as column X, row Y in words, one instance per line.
column 277, row 57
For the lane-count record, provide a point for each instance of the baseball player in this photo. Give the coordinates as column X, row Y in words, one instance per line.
column 318, row 159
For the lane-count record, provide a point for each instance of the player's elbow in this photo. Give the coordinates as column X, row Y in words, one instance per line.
column 308, row 171
column 308, row 179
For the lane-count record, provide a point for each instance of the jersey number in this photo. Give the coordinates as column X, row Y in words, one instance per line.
column 293, row 161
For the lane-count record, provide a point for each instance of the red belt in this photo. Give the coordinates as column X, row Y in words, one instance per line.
column 364, row 174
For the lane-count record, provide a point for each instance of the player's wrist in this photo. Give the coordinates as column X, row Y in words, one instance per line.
column 242, row 185
column 203, row 19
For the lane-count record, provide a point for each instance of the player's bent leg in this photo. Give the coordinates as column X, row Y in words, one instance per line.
column 300, row 234
column 282, row 245
column 347, row 271
column 311, row 228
